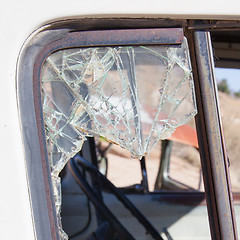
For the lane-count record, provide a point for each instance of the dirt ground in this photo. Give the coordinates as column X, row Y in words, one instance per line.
column 125, row 171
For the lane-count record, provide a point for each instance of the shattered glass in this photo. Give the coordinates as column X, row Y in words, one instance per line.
column 131, row 95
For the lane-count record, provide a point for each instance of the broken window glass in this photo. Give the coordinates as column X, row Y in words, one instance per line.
column 131, row 95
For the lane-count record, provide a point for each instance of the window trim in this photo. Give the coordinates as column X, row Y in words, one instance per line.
column 51, row 38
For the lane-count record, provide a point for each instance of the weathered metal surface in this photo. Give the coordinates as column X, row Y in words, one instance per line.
column 212, row 151
column 126, row 37
column 100, row 38
column 38, row 172
column 213, row 24
column 106, row 23
column 204, row 128
column 112, row 38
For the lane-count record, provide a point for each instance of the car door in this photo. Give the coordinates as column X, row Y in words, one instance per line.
column 61, row 115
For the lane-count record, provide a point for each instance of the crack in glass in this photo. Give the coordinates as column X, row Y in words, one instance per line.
column 132, row 96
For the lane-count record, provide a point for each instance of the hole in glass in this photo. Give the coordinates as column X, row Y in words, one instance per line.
column 132, row 96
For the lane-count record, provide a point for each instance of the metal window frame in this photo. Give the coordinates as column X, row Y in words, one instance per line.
column 210, row 138
column 66, row 34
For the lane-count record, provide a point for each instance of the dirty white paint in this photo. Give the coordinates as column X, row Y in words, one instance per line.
column 18, row 19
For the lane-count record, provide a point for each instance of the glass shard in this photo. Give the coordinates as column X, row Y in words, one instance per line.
column 132, row 96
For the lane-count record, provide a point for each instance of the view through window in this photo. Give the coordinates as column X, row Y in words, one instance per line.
column 228, row 81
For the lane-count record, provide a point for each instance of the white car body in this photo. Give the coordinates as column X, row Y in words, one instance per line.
column 19, row 19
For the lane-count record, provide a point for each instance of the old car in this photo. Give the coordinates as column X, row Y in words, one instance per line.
column 88, row 82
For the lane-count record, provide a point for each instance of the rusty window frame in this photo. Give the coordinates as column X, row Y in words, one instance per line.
column 29, row 99
column 210, row 138
column 42, row 44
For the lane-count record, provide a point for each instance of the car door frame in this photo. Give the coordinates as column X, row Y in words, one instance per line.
column 208, row 122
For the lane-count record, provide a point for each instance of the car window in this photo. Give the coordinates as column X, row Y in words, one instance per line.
column 103, row 84
column 227, row 62
column 130, row 95
column 183, row 168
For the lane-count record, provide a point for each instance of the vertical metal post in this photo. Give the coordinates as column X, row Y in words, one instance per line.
column 211, row 142
column 163, row 175
column 144, row 175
